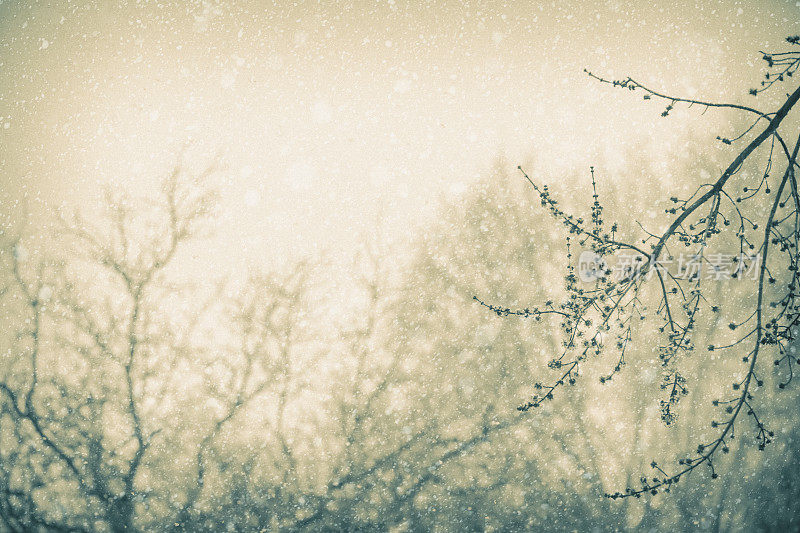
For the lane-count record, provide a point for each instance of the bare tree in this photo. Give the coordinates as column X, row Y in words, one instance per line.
column 257, row 376
column 756, row 214
column 85, row 391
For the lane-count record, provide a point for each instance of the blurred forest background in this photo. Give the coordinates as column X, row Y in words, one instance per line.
column 135, row 399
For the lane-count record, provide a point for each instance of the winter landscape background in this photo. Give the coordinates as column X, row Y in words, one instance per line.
column 242, row 242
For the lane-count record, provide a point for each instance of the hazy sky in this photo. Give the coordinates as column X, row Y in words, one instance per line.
column 332, row 116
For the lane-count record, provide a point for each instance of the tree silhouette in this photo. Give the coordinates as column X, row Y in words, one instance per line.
column 84, row 393
column 756, row 215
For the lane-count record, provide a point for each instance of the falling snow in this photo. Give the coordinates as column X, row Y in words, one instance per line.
column 293, row 267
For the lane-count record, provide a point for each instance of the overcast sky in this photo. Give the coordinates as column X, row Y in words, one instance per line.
column 332, row 116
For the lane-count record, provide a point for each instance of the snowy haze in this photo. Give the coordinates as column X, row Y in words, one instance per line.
column 331, row 118
column 241, row 245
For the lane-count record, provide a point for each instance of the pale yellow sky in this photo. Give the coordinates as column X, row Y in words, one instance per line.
column 332, row 116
